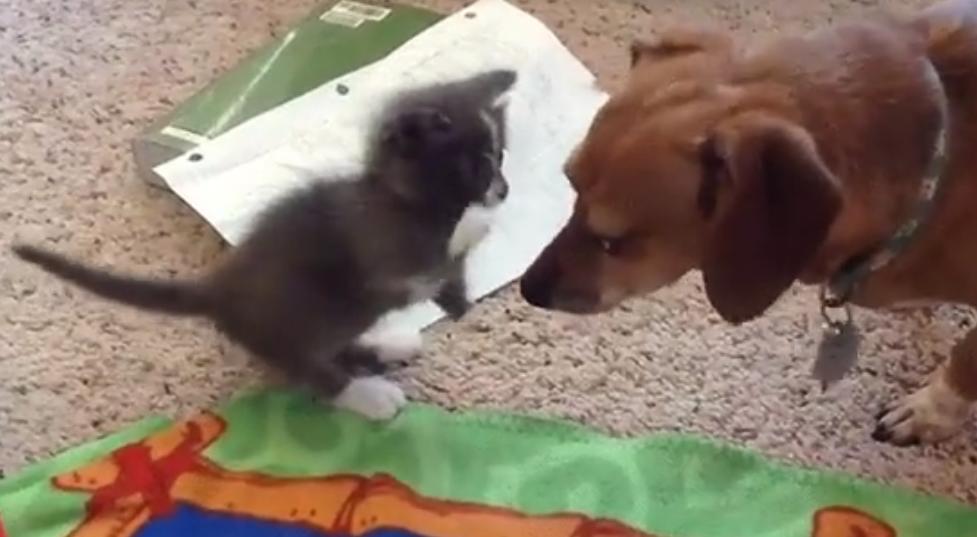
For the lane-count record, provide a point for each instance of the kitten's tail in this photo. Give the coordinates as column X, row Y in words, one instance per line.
column 176, row 297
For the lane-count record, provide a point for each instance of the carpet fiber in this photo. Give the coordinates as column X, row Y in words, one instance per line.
column 81, row 78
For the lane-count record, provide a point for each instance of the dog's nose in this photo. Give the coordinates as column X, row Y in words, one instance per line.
column 536, row 293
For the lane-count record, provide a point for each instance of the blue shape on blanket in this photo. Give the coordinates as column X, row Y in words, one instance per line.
column 189, row 521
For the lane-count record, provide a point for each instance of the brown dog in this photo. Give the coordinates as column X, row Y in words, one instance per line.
column 789, row 162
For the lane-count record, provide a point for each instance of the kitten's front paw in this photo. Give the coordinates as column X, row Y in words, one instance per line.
column 399, row 347
column 453, row 300
column 374, row 398
column 456, row 309
column 393, row 347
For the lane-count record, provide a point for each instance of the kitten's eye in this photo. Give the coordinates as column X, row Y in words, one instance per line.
column 441, row 122
column 490, row 163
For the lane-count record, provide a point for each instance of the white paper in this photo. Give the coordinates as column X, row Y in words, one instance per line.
column 322, row 134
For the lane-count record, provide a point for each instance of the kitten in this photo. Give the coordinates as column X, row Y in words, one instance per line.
column 324, row 263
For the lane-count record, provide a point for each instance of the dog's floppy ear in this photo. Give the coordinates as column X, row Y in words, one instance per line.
column 678, row 41
column 772, row 201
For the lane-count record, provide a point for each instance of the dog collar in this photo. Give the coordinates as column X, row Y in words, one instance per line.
column 843, row 284
column 838, row 350
column 841, row 287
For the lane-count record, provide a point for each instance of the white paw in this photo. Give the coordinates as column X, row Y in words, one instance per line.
column 393, row 347
column 375, row 398
column 929, row 415
column 234, row 354
column 399, row 348
column 471, row 228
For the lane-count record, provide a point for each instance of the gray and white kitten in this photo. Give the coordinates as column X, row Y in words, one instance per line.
column 325, row 263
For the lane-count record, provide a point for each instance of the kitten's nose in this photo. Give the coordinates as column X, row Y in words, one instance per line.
column 498, row 191
column 503, row 190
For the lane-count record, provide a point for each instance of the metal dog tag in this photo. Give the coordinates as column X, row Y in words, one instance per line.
column 837, row 352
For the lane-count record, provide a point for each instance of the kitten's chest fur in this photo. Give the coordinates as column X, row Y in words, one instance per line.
column 473, row 225
column 434, row 253
column 422, row 287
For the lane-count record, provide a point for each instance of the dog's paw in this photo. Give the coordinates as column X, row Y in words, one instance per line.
column 929, row 415
column 374, row 398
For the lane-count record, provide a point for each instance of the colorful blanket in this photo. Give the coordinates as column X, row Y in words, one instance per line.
column 275, row 463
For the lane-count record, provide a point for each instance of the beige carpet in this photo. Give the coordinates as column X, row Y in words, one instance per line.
column 79, row 78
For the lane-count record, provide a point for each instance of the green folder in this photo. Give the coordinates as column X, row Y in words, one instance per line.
column 335, row 39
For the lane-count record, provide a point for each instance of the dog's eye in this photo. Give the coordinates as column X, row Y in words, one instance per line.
column 611, row 247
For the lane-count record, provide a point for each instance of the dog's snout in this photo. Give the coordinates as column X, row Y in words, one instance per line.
column 559, row 284
column 537, row 290
column 538, row 283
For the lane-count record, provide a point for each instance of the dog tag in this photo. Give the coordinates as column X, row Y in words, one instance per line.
column 837, row 352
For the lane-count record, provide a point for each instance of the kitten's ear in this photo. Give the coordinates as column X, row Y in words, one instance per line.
column 415, row 129
column 493, row 85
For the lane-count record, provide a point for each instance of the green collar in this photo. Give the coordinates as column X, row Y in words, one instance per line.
column 843, row 285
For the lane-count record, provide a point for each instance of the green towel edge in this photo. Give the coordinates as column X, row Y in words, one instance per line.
column 556, row 428
column 82, row 454
column 563, row 429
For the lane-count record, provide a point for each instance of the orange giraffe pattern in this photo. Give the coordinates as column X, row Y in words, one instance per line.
column 147, row 479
